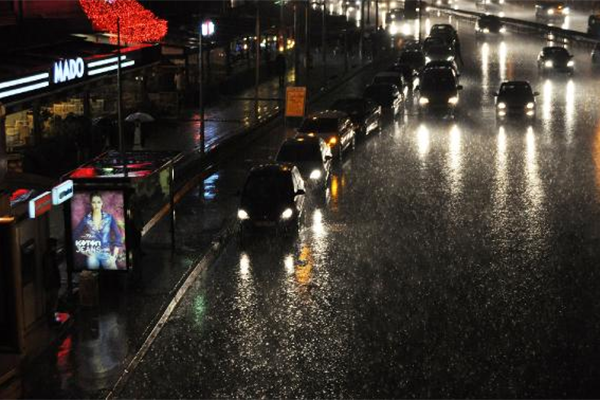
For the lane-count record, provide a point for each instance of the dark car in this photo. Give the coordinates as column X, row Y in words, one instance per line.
column 438, row 91
column 489, row 25
column 334, row 127
column 445, row 32
column 555, row 58
column 272, row 197
column 596, row 54
column 594, row 26
column 413, row 58
column 386, row 95
column 551, row 11
column 311, row 155
column 444, row 64
column 393, row 77
column 364, row 113
column 515, row 98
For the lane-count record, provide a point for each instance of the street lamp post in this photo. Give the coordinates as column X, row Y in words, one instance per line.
column 119, row 90
column 207, row 28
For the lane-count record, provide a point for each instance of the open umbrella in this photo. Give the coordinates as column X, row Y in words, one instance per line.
column 139, row 116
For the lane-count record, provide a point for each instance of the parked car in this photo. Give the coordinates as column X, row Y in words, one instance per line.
column 273, row 197
column 311, row 155
column 395, row 78
column 364, row 113
column 334, row 127
column 386, row 95
column 555, row 58
column 515, row 98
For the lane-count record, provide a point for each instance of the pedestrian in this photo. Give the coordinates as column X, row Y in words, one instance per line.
column 51, row 280
column 281, row 67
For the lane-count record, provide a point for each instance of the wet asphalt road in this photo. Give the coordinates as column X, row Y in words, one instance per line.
column 452, row 259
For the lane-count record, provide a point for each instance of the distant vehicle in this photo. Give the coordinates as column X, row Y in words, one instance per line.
column 401, row 23
column 551, row 11
column 439, row 52
column 446, row 3
column 554, row 58
column 489, row 5
column 395, row 78
column 515, row 98
column 311, row 155
column 438, row 91
column 489, row 25
column 596, row 54
column 444, row 64
column 272, row 197
column 334, row 127
column 446, row 32
column 364, row 113
column 594, row 25
column 386, row 95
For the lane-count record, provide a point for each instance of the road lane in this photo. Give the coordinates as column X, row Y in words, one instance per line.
column 452, row 259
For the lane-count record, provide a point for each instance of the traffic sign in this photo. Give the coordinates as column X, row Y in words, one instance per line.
column 295, row 101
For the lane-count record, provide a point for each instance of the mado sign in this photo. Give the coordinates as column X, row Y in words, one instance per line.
column 67, row 70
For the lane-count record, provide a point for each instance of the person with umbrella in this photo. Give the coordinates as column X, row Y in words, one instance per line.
column 138, row 118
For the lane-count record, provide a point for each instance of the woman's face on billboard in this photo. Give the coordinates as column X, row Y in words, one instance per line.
column 96, row 203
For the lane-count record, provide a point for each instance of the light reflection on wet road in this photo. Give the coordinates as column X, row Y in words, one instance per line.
column 452, row 259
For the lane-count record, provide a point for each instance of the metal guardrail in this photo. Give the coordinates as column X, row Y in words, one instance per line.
column 553, row 33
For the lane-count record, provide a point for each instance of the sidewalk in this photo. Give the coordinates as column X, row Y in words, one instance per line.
column 94, row 353
column 234, row 114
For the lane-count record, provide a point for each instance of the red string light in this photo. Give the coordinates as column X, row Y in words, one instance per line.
column 137, row 23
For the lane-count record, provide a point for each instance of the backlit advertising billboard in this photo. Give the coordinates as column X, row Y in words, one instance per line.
column 98, row 230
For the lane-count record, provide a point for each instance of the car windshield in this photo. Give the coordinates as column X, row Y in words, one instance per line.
column 318, row 125
column 349, row 105
column 264, row 188
column 515, row 90
column 438, row 79
column 489, row 22
column 299, row 152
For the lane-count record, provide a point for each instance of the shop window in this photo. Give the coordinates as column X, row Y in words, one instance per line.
column 19, row 129
column 53, row 115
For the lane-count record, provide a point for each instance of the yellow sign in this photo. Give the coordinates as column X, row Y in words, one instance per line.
column 295, row 101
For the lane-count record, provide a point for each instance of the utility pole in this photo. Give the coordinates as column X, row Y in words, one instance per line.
column 201, row 87
column 307, row 43
column 362, row 31
column 119, row 90
column 377, row 45
column 257, row 65
column 296, row 48
column 324, row 43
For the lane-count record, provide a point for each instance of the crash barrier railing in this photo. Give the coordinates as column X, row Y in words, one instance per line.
column 550, row 33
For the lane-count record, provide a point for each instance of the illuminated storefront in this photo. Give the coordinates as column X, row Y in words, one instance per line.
column 61, row 96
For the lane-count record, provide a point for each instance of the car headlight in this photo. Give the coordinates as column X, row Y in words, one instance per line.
column 503, row 30
column 453, row 100
column 242, row 214
column 571, row 63
column 423, row 101
column 548, row 64
column 427, row 60
column 501, row 106
column 406, row 30
column 551, row 12
column 530, row 105
column 393, row 29
column 486, row 30
column 566, row 10
column 316, row 174
column 449, row 58
column 332, row 141
column 287, row 214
